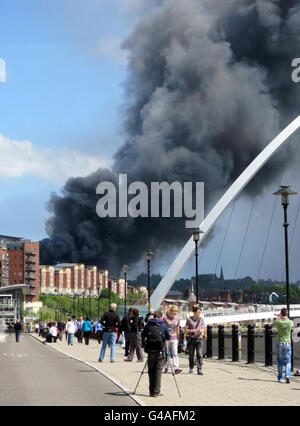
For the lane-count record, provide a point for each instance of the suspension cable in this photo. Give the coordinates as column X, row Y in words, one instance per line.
column 273, row 213
column 225, row 235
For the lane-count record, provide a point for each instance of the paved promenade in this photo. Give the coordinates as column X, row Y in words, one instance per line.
column 224, row 382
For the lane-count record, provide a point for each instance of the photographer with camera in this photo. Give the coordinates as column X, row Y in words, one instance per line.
column 155, row 334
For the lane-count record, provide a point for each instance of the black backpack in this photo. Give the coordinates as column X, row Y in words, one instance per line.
column 155, row 341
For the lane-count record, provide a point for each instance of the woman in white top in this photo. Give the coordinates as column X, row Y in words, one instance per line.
column 70, row 329
column 172, row 322
column 54, row 332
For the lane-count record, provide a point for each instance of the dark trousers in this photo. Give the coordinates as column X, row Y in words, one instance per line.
column 196, row 345
column 18, row 334
column 156, row 361
column 99, row 336
column 86, row 335
column 136, row 344
column 127, row 342
column 79, row 336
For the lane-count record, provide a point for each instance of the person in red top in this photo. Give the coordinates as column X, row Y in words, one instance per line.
column 172, row 322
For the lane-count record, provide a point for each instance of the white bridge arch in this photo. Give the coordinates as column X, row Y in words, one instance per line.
column 185, row 254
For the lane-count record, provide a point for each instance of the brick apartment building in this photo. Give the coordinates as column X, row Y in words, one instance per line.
column 19, row 265
column 73, row 279
column 4, row 266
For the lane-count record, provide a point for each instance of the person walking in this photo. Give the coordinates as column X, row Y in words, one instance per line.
column 18, row 329
column 284, row 347
column 79, row 332
column 155, row 334
column 172, row 322
column 87, row 328
column 10, row 328
column 54, row 332
column 125, row 326
column 60, row 327
column 111, row 322
column 195, row 327
column 136, row 326
column 99, row 330
column 70, row 329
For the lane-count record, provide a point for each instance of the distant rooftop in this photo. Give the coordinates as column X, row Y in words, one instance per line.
column 65, row 265
column 10, row 238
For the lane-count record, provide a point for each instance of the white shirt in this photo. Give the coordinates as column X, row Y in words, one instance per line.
column 53, row 331
column 70, row 327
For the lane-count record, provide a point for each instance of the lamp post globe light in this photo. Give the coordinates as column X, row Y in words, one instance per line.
column 196, row 237
column 285, row 192
column 148, row 257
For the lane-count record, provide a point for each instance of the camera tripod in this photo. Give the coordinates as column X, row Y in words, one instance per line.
column 168, row 365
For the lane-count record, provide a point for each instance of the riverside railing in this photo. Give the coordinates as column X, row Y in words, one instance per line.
column 248, row 343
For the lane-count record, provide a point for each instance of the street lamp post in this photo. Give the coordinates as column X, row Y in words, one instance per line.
column 196, row 233
column 98, row 288
column 125, row 286
column 284, row 192
column 148, row 257
column 90, row 303
column 83, row 293
column 109, row 291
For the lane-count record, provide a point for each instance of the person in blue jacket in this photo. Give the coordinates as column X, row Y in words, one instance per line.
column 154, row 335
column 87, row 328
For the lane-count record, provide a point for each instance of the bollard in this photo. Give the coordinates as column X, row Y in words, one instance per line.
column 268, row 345
column 235, row 342
column 221, row 342
column 250, row 344
column 240, row 346
column 209, row 342
column 181, row 339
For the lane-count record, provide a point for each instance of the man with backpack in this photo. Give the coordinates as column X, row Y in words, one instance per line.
column 155, row 334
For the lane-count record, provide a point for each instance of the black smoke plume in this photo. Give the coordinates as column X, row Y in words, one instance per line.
column 209, row 85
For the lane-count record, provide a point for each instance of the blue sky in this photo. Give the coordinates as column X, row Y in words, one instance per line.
column 60, row 116
column 61, row 98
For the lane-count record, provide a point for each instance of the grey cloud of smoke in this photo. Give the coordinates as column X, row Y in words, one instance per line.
column 208, row 87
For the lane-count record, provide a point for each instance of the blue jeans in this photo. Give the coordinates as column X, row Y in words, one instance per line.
column 284, row 353
column 70, row 338
column 18, row 334
column 108, row 337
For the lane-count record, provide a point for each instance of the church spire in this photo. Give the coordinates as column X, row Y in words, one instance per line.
column 222, row 277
